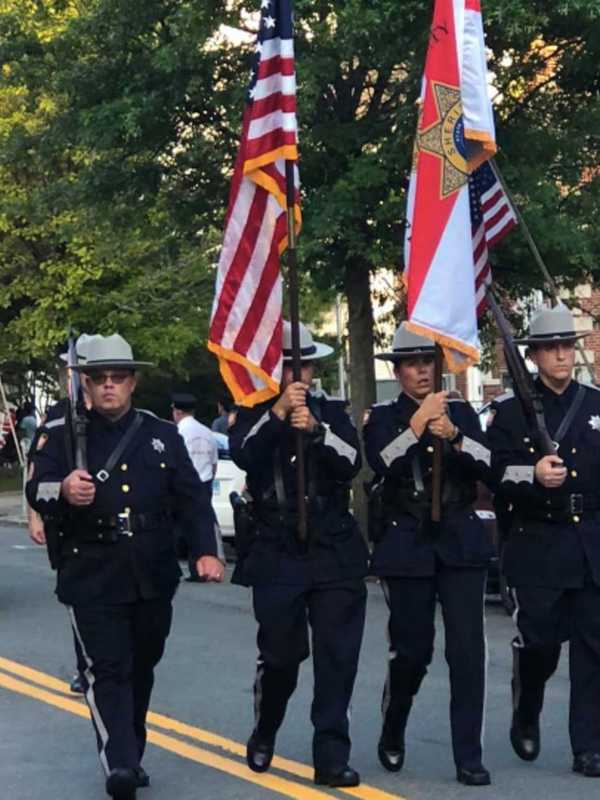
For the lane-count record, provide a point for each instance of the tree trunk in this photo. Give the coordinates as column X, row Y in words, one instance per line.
column 362, row 368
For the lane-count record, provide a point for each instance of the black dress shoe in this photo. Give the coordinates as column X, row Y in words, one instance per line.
column 143, row 779
column 587, row 764
column 121, row 784
column 477, row 776
column 259, row 753
column 77, row 685
column 525, row 739
column 343, row 777
column 391, row 755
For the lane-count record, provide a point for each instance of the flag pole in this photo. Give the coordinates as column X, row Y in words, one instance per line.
column 436, row 475
column 550, row 282
column 292, row 265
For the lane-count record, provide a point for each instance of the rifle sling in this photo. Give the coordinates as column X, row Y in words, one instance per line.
column 104, row 474
column 569, row 416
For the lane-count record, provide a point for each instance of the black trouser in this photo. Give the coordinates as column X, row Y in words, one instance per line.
column 546, row 618
column 411, row 634
column 336, row 614
column 117, row 648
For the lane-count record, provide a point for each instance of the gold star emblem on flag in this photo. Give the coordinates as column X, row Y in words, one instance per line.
column 442, row 138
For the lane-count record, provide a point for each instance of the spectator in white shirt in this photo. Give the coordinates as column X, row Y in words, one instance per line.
column 202, row 448
column 199, row 440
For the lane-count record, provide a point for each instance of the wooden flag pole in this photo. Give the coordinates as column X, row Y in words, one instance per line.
column 549, row 280
column 438, row 446
column 296, row 359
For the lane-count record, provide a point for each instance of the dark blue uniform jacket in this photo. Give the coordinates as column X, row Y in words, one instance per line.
column 395, row 454
column 554, row 531
column 154, row 481
column 264, row 446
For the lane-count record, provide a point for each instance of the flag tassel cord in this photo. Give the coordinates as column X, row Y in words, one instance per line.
column 551, row 286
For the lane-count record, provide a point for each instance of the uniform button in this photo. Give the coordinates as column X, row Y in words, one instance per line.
column 547, row 502
column 61, row 534
column 163, row 465
column 127, row 510
column 576, row 519
column 526, row 439
column 125, row 487
column 101, row 536
column 532, row 449
column 75, row 550
column 574, row 450
column 394, row 523
column 124, row 467
column 130, row 534
column 573, row 473
column 430, row 449
column 548, row 516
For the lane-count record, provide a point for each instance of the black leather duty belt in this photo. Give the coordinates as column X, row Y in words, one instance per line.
column 569, row 507
column 109, row 527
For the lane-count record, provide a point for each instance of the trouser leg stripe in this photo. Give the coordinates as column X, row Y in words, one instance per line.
column 90, row 696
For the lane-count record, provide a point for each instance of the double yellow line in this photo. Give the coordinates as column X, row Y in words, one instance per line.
column 47, row 689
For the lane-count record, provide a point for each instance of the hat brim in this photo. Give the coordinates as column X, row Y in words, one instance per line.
column 400, row 356
column 553, row 338
column 321, row 351
column 90, row 366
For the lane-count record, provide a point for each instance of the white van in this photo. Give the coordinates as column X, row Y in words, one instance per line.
column 229, row 478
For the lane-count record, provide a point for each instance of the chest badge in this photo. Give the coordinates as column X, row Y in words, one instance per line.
column 594, row 422
column 159, row 446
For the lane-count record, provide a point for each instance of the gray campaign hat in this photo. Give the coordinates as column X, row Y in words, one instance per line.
column 81, row 348
column 552, row 325
column 309, row 349
column 110, row 351
column 407, row 344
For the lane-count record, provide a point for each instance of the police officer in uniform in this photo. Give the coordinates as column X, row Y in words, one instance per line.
column 320, row 584
column 419, row 563
column 552, row 557
column 118, row 571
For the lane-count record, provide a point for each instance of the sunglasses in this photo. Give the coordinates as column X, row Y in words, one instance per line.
column 100, row 378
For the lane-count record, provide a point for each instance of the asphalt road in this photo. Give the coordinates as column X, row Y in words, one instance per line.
column 203, row 708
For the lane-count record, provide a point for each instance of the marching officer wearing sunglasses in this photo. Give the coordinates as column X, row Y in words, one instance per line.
column 118, row 572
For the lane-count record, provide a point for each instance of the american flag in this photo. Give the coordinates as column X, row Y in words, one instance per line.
column 246, row 325
column 492, row 217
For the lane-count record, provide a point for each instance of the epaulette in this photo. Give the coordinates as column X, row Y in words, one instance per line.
column 149, row 413
column 590, row 386
column 383, row 404
column 503, row 397
column 54, row 423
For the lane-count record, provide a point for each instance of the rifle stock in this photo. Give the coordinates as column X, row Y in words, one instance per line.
column 77, row 417
column 523, row 384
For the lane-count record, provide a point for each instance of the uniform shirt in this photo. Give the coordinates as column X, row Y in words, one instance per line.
column 396, row 454
column 154, row 480
column 264, row 446
column 201, row 446
column 551, row 543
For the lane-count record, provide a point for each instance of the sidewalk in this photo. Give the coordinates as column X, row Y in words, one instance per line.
column 11, row 508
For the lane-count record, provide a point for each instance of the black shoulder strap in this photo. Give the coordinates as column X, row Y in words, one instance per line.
column 104, row 474
column 570, row 415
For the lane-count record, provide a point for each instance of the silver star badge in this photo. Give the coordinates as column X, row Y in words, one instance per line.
column 158, row 445
column 594, row 423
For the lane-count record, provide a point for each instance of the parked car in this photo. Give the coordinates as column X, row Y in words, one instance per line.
column 229, row 478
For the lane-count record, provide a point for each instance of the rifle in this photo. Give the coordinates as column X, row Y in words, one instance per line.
column 77, row 413
column 523, row 384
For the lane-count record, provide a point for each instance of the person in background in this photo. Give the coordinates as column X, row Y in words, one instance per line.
column 202, row 448
column 221, row 423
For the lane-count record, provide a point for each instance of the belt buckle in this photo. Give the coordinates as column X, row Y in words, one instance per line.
column 576, row 503
column 124, row 524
